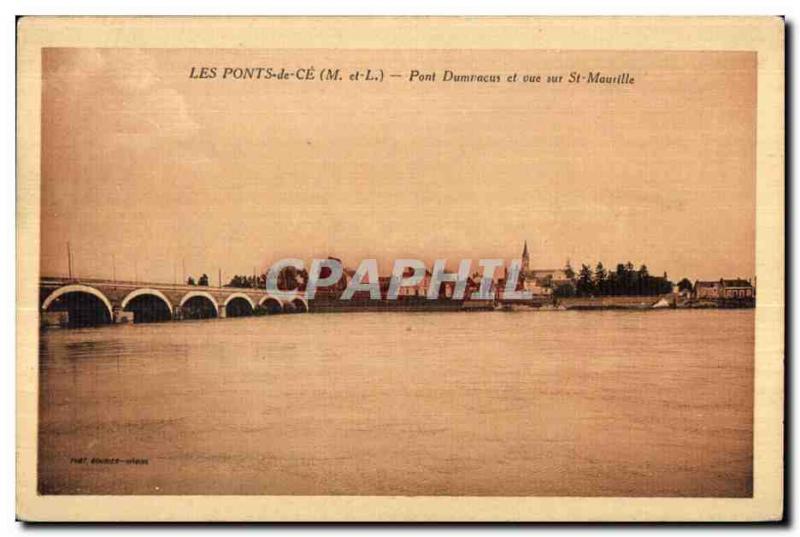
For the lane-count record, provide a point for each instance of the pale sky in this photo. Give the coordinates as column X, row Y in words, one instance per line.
column 157, row 170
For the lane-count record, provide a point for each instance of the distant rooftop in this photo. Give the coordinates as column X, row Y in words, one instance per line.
column 736, row 282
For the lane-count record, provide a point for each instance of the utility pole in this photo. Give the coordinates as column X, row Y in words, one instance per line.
column 183, row 271
column 69, row 260
column 113, row 269
column 219, row 276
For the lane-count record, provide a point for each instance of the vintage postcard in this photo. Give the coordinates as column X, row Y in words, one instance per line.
column 400, row 269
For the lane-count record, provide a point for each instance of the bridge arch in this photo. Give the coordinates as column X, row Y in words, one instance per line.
column 79, row 288
column 271, row 304
column 191, row 294
column 145, row 291
column 234, row 307
column 239, row 295
column 296, row 304
column 209, row 306
column 147, row 312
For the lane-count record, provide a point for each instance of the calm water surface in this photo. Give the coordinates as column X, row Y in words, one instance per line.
column 494, row 403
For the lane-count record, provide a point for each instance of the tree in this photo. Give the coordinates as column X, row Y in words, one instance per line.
column 203, row 280
column 288, row 279
column 568, row 271
column 664, row 286
column 600, row 277
column 643, row 280
column 612, row 283
column 190, row 281
column 302, row 279
column 628, row 280
column 585, row 285
column 237, row 281
column 564, row 290
column 685, row 285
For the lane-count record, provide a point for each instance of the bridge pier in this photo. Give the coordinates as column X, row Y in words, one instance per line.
column 120, row 316
column 221, row 311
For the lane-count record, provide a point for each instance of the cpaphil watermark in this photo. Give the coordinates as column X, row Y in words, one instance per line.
column 289, row 278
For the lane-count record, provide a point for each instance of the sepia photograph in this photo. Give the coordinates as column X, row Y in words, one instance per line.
column 402, row 268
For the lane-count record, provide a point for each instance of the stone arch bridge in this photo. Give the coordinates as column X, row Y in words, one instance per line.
column 95, row 301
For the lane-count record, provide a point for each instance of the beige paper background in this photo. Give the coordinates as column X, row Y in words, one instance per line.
column 764, row 35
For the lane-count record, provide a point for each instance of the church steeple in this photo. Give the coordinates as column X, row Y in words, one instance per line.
column 526, row 259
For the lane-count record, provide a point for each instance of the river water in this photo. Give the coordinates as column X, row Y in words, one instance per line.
column 562, row 403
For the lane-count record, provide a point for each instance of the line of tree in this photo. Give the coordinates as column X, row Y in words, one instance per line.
column 288, row 279
column 625, row 280
column 202, row 280
column 251, row 282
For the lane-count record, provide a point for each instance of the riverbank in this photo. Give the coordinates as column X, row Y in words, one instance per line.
column 403, row 304
column 635, row 302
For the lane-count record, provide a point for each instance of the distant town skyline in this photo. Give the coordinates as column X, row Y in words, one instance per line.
column 169, row 176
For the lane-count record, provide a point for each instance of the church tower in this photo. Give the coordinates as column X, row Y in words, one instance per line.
column 526, row 259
